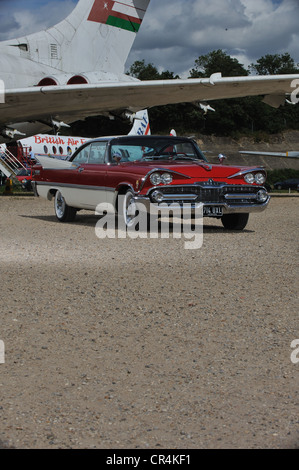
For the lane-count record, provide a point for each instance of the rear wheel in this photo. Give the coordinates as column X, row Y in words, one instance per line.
column 63, row 212
column 234, row 221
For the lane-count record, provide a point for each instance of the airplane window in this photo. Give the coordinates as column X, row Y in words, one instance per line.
column 97, row 152
column 61, row 150
column 54, row 149
column 45, row 149
column 69, row 151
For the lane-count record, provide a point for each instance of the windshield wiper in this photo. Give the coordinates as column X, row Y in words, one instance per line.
column 171, row 157
column 156, row 157
column 184, row 157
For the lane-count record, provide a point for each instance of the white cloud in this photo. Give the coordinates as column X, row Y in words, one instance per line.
column 176, row 32
column 25, row 20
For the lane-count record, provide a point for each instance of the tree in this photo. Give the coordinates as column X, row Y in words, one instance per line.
column 275, row 64
column 217, row 61
column 246, row 114
column 139, row 69
column 233, row 116
column 143, row 72
column 286, row 117
column 230, row 114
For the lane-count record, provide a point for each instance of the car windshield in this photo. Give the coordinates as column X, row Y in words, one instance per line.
column 131, row 150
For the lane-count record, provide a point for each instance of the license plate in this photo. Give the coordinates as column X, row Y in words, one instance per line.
column 215, row 211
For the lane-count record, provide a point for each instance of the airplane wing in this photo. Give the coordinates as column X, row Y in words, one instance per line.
column 72, row 102
column 271, row 154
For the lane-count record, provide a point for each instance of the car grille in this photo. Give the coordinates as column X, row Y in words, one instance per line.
column 211, row 193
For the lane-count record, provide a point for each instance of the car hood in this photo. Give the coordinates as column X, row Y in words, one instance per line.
column 191, row 169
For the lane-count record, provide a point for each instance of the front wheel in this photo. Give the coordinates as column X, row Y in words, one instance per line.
column 128, row 208
column 234, row 221
column 63, row 212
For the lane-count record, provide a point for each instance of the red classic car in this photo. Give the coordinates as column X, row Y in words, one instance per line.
column 151, row 170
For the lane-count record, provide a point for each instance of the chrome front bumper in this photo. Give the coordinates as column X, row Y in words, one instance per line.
column 229, row 201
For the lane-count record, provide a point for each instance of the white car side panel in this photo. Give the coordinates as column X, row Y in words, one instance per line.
column 75, row 196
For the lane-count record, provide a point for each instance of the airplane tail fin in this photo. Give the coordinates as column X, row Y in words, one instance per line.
column 141, row 125
column 97, row 36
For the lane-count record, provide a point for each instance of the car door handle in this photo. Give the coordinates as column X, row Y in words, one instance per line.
column 80, row 170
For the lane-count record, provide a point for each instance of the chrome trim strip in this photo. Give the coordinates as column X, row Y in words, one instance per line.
column 240, row 196
column 227, row 209
column 72, row 168
column 243, row 172
column 171, row 197
column 76, row 186
column 202, row 185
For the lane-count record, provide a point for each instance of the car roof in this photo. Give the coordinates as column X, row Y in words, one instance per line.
column 143, row 138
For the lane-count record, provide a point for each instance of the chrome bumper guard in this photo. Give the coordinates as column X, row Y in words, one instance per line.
column 229, row 203
column 177, row 207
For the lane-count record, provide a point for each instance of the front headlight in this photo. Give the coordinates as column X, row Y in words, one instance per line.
column 158, row 178
column 166, row 178
column 249, row 178
column 260, row 178
column 155, row 179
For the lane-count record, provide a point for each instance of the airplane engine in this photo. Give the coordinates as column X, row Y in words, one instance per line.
column 76, row 79
column 62, row 79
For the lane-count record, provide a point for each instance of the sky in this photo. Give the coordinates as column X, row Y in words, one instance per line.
column 174, row 33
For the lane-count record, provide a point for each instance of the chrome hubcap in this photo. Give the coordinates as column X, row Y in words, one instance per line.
column 59, row 205
column 129, row 209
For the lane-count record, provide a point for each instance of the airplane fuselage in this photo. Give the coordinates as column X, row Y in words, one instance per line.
column 21, row 72
column 18, row 72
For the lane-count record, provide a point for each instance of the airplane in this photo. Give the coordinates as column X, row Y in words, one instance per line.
column 293, row 154
column 62, row 147
column 75, row 69
column 16, row 162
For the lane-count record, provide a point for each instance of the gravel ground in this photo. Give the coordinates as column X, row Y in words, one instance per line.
column 127, row 344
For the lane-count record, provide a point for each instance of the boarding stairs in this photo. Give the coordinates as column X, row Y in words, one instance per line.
column 23, row 156
column 9, row 164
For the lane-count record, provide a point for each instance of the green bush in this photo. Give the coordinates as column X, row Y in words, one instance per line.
column 281, row 174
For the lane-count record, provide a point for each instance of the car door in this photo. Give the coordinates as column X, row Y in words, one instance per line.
column 91, row 174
